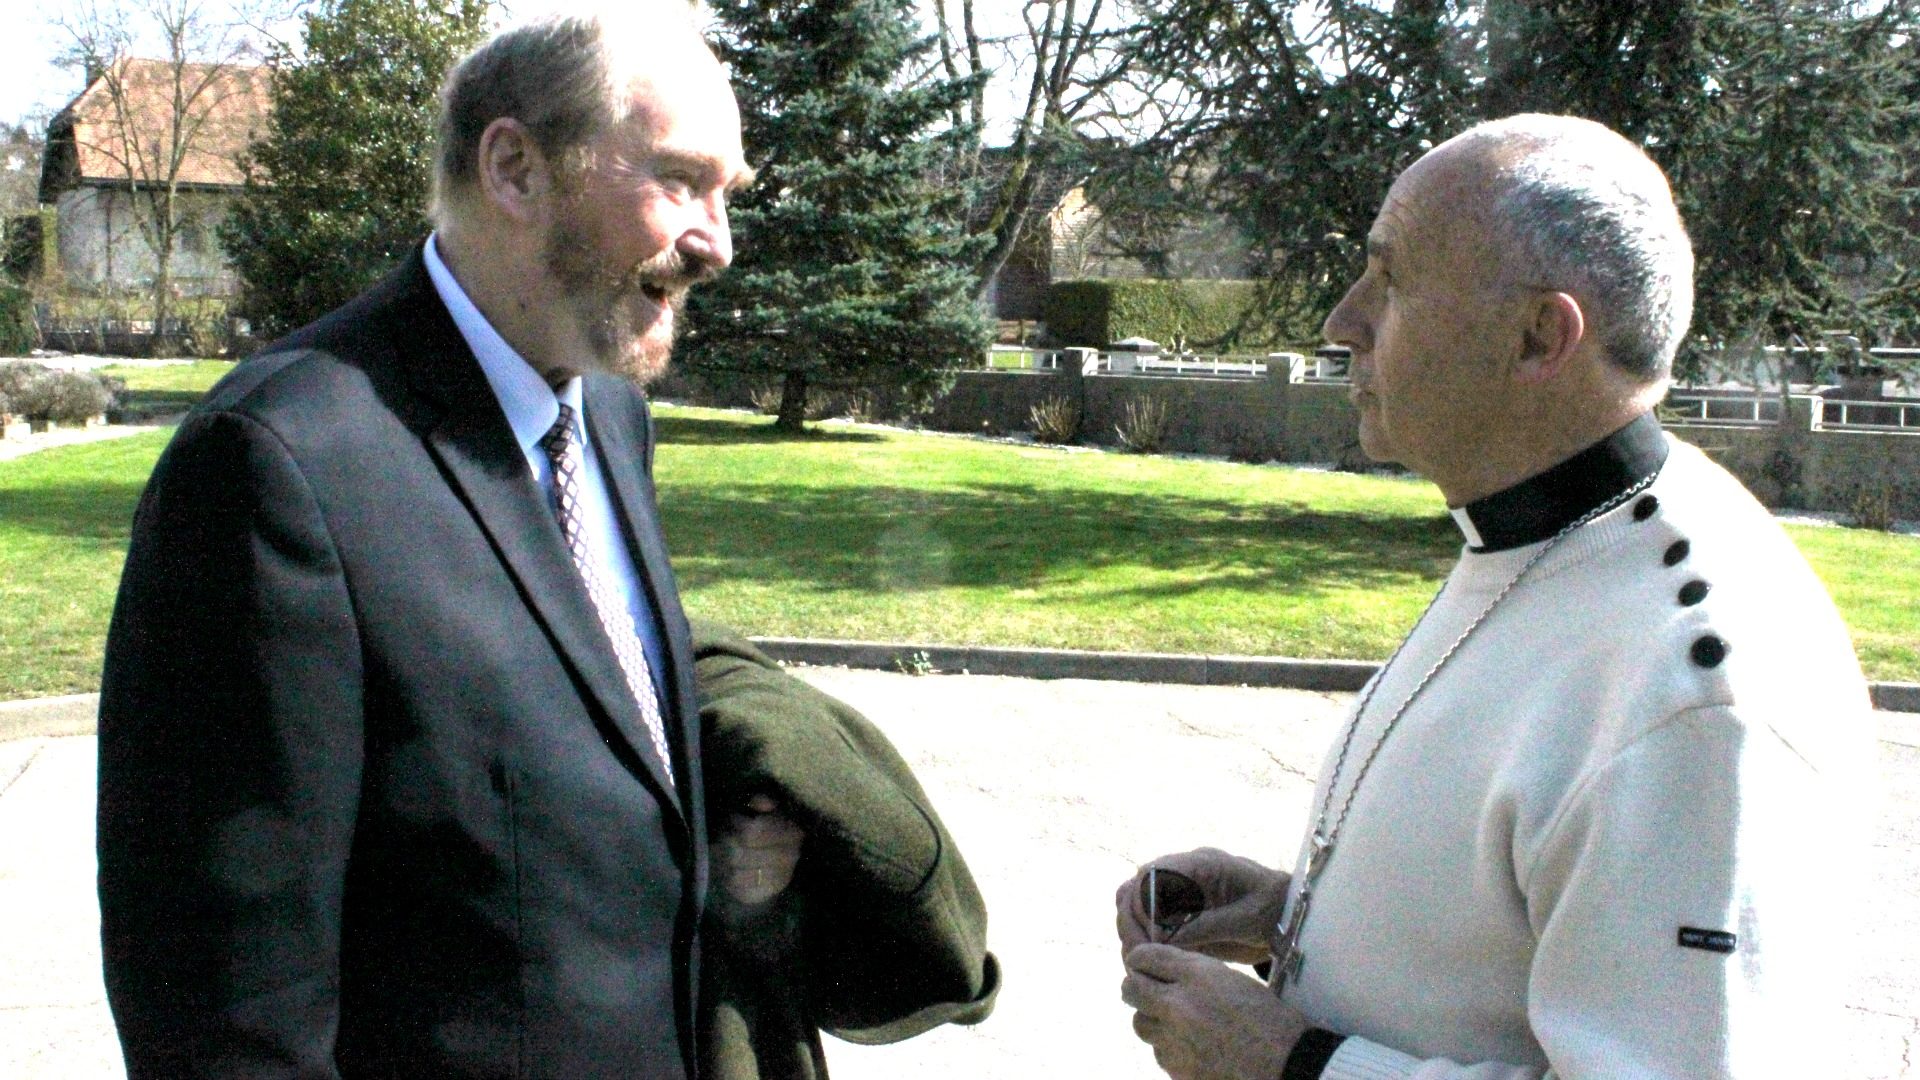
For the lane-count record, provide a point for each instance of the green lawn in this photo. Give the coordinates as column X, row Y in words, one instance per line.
column 860, row 534
column 856, row 533
column 64, row 518
column 171, row 388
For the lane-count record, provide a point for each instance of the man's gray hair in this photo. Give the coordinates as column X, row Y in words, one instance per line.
column 1585, row 211
column 563, row 76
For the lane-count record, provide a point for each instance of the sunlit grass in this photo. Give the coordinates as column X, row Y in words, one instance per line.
column 872, row 534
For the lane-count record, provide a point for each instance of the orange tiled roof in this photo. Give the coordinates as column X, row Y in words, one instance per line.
column 230, row 102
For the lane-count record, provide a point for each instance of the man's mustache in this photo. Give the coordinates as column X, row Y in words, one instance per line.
column 671, row 272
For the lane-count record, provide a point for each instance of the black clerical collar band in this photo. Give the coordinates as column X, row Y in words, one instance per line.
column 1541, row 505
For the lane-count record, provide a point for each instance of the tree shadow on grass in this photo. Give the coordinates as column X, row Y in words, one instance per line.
column 159, row 401
column 1017, row 536
column 91, row 510
column 714, row 431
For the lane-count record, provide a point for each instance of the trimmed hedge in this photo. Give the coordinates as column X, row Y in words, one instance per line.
column 64, row 397
column 1204, row 315
column 18, row 334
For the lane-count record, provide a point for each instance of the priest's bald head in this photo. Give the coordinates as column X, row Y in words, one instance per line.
column 1527, row 285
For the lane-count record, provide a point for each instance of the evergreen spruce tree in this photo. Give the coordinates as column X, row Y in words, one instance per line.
column 336, row 192
column 853, row 269
column 1795, row 178
column 1294, row 116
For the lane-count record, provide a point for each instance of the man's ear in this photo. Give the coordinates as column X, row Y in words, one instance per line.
column 514, row 174
column 1555, row 328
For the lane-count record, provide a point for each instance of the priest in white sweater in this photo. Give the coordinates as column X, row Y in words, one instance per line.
column 1594, row 818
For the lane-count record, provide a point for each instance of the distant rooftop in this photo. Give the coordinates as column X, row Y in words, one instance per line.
column 108, row 137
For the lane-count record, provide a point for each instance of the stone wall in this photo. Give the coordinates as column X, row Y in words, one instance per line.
column 1272, row 419
column 1828, row 470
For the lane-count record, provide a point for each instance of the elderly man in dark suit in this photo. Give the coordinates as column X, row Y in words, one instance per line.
column 399, row 762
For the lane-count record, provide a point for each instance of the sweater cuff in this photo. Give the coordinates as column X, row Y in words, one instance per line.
column 1358, row 1059
column 1310, row 1055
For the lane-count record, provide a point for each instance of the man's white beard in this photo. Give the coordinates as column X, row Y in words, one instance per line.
column 608, row 302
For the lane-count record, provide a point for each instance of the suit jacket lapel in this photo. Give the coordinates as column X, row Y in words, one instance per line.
column 485, row 466
column 619, row 438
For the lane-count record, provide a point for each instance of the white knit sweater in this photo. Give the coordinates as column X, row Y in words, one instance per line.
column 1578, row 788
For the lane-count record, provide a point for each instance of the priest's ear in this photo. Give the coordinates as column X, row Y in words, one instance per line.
column 1554, row 331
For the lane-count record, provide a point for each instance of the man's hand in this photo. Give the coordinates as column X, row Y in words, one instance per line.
column 755, row 854
column 1205, row 1020
column 1244, row 901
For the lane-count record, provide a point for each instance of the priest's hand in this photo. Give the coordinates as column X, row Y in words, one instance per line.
column 755, row 853
column 1205, row 1020
column 1243, row 902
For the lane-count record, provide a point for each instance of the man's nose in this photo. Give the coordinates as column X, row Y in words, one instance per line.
column 1345, row 324
column 709, row 241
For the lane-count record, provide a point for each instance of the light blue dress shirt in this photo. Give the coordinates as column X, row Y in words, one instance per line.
column 531, row 407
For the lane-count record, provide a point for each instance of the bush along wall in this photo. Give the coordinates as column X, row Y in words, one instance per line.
column 1203, row 315
column 18, row 334
column 29, row 252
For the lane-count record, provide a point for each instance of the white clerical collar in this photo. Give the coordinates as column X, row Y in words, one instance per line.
column 530, row 404
column 1465, row 521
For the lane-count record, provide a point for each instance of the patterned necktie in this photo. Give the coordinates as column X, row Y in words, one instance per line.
column 615, row 620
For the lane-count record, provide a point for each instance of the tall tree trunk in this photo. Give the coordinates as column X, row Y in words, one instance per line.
column 793, row 403
column 162, row 300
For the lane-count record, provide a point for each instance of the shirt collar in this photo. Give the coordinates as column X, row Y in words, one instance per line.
column 530, row 404
column 1538, row 507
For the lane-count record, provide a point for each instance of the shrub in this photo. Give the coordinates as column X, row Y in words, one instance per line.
column 1143, row 425
column 64, row 397
column 1054, row 419
column 16, row 374
column 821, row 404
column 30, row 250
column 1872, row 506
column 18, row 334
column 765, row 398
column 863, row 407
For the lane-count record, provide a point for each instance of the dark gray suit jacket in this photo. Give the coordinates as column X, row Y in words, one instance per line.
column 374, row 799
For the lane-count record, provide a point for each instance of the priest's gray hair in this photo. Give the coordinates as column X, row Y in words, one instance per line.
column 1581, row 210
column 564, row 76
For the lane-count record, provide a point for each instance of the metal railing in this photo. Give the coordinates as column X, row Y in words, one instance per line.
column 1713, row 410
column 1243, row 367
column 1018, row 358
column 1869, row 415
column 1122, row 362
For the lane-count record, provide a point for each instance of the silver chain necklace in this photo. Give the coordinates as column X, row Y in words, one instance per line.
column 1287, row 957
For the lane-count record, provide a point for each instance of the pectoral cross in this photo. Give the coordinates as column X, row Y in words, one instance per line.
column 1287, row 956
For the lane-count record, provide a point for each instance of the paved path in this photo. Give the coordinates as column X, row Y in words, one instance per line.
column 69, row 436
column 1054, row 790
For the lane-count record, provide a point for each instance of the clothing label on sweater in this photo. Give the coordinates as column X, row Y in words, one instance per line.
column 1692, row 937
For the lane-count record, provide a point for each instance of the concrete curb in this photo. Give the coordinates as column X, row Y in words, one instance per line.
column 48, row 718
column 1177, row 668
column 75, row 714
column 1896, row 696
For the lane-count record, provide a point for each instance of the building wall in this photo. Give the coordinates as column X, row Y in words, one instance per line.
column 102, row 243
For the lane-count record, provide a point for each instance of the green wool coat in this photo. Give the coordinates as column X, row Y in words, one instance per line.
column 882, row 934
